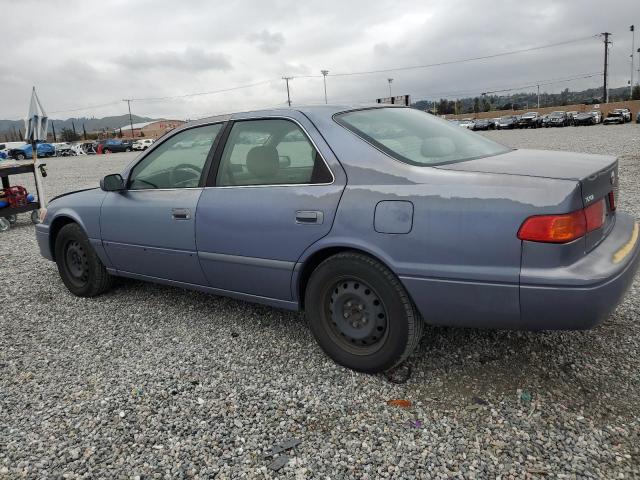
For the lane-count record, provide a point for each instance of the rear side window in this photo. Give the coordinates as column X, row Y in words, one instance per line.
column 270, row 152
column 416, row 137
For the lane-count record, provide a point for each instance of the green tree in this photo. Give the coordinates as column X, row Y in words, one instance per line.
column 486, row 105
column 635, row 93
column 476, row 105
column 67, row 135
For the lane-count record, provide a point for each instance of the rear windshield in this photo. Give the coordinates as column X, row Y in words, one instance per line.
column 416, row 137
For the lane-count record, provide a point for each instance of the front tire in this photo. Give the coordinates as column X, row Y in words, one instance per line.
column 80, row 268
column 360, row 313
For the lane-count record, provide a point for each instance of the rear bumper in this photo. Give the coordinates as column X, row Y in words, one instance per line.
column 582, row 295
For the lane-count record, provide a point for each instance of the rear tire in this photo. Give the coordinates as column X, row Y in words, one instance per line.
column 80, row 268
column 360, row 313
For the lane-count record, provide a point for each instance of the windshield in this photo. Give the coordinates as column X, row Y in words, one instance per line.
column 416, row 137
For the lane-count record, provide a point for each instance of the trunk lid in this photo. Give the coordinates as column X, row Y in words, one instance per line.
column 596, row 174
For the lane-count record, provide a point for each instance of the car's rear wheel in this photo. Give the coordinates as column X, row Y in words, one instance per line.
column 80, row 268
column 20, row 156
column 360, row 314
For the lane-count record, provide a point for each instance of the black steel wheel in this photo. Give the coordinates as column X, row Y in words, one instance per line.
column 360, row 313
column 80, row 268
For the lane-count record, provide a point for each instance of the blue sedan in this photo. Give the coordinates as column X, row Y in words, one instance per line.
column 374, row 221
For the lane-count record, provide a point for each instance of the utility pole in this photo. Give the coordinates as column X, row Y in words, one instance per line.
column 324, row 79
column 128, row 100
column 633, row 47
column 538, row 96
column 286, row 79
column 390, row 80
column 605, row 90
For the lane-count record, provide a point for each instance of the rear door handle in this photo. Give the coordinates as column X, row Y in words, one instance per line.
column 309, row 217
column 181, row 213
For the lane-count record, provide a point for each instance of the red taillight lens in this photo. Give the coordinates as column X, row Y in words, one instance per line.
column 565, row 227
column 595, row 215
column 612, row 201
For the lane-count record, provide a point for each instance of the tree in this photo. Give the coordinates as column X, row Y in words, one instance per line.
column 635, row 93
column 476, row 105
column 564, row 96
column 68, row 135
column 486, row 105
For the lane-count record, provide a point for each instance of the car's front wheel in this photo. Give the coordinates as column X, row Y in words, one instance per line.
column 360, row 313
column 80, row 268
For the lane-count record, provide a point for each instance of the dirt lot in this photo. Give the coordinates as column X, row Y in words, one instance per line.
column 158, row 382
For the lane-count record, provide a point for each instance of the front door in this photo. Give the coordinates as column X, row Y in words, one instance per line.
column 274, row 192
column 149, row 229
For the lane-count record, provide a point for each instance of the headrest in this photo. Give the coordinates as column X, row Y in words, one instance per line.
column 263, row 161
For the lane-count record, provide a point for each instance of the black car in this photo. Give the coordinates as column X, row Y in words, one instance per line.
column 584, row 118
column 558, row 119
column 481, row 124
column 638, row 118
column 530, row 120
column 112, row 146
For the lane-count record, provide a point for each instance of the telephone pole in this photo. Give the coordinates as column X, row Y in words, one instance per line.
column 605, row 90
column 324, row 79
column 633, row 47
column 286, row 79
column 128, row 100
column 390, row 80
column 538, row 96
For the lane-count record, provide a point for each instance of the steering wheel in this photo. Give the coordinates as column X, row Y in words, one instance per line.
column 187, row 168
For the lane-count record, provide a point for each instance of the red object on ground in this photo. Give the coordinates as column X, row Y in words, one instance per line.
column 99, row 149
column 16, row 196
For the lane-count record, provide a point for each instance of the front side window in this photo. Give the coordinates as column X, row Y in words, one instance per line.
column 176, row 163
column 416, row 137
column 270, row 152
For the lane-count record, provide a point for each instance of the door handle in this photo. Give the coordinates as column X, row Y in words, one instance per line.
column 309, row 217
column 181, row 213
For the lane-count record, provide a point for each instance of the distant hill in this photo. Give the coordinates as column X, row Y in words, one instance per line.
column 90, row 124
column 522, row 100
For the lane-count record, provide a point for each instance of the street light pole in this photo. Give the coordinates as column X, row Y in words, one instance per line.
column 286, row 79
column 633, row 42
column 390, row 80
column 538, row 96
column 324, row 79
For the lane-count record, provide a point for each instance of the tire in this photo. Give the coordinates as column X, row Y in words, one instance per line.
column 375, row 326
column 81, row 270
column 12, row 219
column 4, row 224
column 35, row 217
column 20, row 156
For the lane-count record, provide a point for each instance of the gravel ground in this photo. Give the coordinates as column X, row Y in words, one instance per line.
column 156, row 382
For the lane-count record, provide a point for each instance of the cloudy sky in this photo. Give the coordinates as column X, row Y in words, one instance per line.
column 86, row 56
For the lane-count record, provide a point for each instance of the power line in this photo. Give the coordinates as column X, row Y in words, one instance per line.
column 212, row 92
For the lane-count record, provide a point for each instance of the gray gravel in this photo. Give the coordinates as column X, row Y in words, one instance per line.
column 156, row 382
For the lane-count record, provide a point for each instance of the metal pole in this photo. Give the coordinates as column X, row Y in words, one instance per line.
column 605, row 91
column 130, row 119
column 633, row 45
column 390, row 80
column 286, row 79
column 538, row 96
column 324, row 79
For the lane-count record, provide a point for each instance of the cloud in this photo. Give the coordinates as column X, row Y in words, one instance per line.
column 190, row 60
column 268, row 42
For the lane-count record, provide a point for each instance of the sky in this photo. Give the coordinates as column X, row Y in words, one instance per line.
column 85, row 56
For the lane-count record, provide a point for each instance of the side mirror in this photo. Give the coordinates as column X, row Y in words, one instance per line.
column 112, row 183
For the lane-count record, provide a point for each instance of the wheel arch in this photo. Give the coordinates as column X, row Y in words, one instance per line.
column 311, row 260
column 56, row 225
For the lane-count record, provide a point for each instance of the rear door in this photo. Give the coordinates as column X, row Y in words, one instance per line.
column 149, row 229
column 273, row 192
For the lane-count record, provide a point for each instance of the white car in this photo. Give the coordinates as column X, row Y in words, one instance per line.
column 467, row 123
column 142, row 144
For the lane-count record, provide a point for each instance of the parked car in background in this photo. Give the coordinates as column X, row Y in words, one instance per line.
column 530, row 120
column 626, row 113
column 43, row 150
column 571, row 116
column 142, row 143
column 467, row 123
column 615, row 116
column 597, row 114
column 558, row 119
column 64, row 149
column 481, row 124
column 493, row 123
column 448, row 223
column 638, row 118
column 506, row 122
column 585, row 118
column 113, row 146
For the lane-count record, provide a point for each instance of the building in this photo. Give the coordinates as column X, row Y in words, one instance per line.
column 152, row 129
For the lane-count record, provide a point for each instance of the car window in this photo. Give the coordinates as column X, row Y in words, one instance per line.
column 416, row 137
column 178, row 162
column 270, row 152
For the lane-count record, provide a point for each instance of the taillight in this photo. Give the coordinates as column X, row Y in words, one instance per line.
column 565, row 227
column 612, row 201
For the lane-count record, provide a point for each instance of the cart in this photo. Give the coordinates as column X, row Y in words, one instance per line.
column 9, row 214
